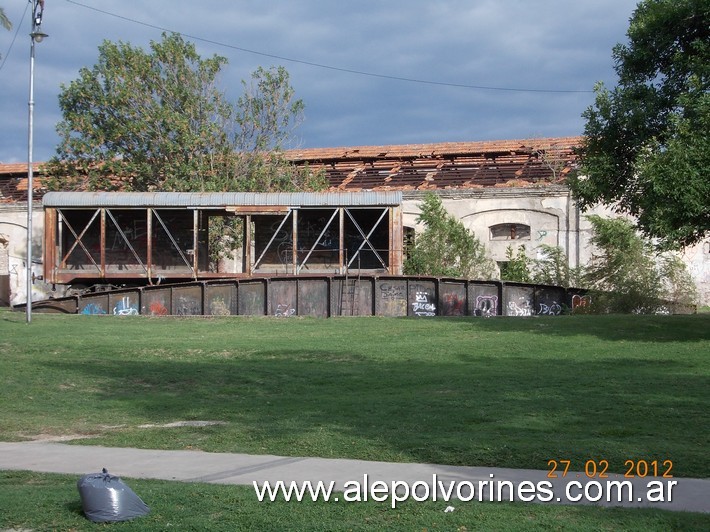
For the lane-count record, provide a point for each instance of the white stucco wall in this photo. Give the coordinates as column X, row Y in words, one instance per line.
column 553, row 217
column 697, row 258
column 13, row 254
column 550, row 214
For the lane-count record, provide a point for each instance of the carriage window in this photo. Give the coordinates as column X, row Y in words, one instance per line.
column 510, row 232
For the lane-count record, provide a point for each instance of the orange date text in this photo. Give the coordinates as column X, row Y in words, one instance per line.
column 599, row 468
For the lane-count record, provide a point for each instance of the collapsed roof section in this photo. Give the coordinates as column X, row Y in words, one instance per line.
column 439, row 166
column 13, row 182
column 448, row 165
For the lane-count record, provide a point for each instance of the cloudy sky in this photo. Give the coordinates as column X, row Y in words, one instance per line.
column 372, row 72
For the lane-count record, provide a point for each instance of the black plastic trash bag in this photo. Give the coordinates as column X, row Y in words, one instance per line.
column 105, row 498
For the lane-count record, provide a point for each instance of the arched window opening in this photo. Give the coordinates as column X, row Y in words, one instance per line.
column 510, row 232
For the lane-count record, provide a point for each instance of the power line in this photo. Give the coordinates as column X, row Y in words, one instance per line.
column 330, row 67
column 12, row 43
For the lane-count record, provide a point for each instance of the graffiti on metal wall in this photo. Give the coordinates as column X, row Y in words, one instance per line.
column 392, row 298
column 93, row 308
column 337, row 295
column 486, row 306
column 453, row 305
column 284, row 311
column 553, row 309
column 187, row 306
column 218, row 307
column 581, row 301
column 124, row 308
column 522, row 307
column 391, row 292
column 423, row 306
column 157, row 308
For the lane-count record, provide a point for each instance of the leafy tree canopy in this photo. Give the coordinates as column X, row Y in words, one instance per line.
column 446, row 247
column 647, row 149
column 157, row 121
column 629, row 275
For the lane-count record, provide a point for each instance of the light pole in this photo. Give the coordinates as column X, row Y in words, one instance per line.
column 36, row 36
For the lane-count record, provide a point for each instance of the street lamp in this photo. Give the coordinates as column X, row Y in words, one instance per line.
column 36, row 36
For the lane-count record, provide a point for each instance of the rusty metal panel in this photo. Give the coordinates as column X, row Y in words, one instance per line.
column 94, row 304
column 396, row 241
column 352, row 296
column 157, row 302
column 483, row 300
column 258, row 209
column 313, row 298
column 283, row 298
column 50, row 250
column 391, row 297
column 187, row 301
column 252, row 298
column 421, row 298
column 64, row 305
column 220, row 299
column 364, row 293
column 335, row 297
column 452, row 298
column 519, row 300
column 341, row 297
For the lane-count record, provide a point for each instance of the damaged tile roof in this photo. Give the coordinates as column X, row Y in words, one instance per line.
column 438, row 166
column 13, row 182
column 441, row 166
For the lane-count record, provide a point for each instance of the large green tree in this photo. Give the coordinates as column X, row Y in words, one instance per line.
column 156, row 120
column 647, row 148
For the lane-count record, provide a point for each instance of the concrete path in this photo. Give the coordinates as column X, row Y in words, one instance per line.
column 691, row 495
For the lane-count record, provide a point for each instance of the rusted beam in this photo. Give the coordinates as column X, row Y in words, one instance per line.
column 102, row 246
column 50, row 250
column 247, row 257
column 149, row 243
column 294, row 238
column 257, row 209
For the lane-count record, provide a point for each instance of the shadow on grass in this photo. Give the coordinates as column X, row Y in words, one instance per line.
column 478, row 410
column 611, row 327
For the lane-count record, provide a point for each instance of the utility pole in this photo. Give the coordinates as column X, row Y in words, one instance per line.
column 36, row 36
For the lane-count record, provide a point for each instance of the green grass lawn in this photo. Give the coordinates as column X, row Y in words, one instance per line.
column 508, row 392
column 55, row 505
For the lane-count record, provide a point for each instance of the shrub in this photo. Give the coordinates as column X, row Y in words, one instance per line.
column 629, row 276
column 446, row 247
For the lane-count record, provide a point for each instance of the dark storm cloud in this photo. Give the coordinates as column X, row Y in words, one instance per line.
column 507, row 44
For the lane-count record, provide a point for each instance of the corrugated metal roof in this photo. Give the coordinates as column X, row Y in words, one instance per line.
column 220, row 199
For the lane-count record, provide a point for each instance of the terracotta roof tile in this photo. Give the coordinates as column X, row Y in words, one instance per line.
column 443, row 165
column 13, row 182
column 439, row 166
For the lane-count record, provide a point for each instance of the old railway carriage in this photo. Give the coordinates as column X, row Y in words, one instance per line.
column 145, row 238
